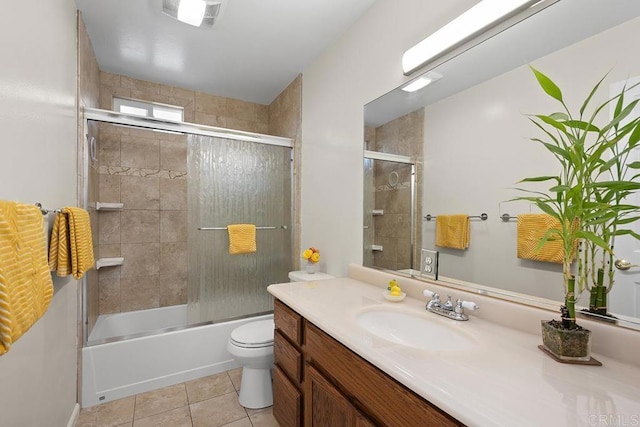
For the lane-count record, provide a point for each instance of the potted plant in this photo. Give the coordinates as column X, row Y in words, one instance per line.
column 586, row 198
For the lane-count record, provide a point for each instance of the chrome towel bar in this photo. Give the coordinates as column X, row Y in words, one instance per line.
column 284, row 227
column 483, row 216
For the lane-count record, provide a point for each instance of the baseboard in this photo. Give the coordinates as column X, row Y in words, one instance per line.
column 73, row 419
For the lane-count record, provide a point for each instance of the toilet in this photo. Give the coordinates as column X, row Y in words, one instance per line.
column 251, row 345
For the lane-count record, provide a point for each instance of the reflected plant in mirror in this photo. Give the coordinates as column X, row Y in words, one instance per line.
column 474, row 146
column 589, row 197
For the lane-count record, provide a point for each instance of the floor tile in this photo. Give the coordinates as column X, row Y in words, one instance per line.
column 217, row 411
column 161, row 400
column 263, row 418
column 180, row 417
column 244, row 422
column 109, row 414
column 236, row 377
column 208, row 387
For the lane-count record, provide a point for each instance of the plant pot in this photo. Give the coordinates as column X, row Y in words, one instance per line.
column 566, row 344
column 311, row 267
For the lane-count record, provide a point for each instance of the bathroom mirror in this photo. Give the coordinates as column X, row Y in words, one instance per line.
column 476, row 138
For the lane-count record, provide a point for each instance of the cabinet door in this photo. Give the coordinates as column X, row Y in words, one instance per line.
column 287, row 401
column 324, row 405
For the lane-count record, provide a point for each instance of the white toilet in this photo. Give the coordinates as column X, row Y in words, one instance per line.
column 251, row 345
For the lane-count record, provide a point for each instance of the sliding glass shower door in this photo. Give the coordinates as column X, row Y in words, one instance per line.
column 236, row 182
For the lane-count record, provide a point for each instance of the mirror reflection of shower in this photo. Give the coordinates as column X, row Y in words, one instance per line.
column 393, row 193
column 389, row 207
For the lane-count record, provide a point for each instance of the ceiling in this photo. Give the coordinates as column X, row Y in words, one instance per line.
column 254, row 50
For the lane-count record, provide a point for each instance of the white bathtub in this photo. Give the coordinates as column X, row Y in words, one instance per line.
column 119, row 369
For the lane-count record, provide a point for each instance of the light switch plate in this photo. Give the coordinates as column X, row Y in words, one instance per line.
column 429, row 264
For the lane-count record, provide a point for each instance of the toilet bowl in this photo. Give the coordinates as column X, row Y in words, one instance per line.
column 251, row 345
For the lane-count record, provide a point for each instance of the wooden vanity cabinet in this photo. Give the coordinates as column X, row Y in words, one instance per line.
column 319, row 382
column 287, row 373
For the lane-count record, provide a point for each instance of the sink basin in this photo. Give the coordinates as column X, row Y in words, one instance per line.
column 413, row 330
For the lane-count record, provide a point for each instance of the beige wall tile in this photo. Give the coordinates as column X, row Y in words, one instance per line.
column 139, row 293
column 109, row 251
column 107, row 94
column 139, row 192
column 209, row 119
column 173, row 226
column 140, row 226
column 109, row 79
column 173, row 258
column 109, row 149
column 140, row 259
column 177, row 92
column 150, row 88
column 137, row 152
column 109, row 227
column 109, row 188
column 173, row 194
column 173, row 155
column 173, row 289
column 210, row 104
column 109, row 295
column 241, row 110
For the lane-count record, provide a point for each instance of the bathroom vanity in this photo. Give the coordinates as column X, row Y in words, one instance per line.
column 335, row 367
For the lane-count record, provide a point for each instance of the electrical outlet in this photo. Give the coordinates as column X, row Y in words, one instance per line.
column 429, row 264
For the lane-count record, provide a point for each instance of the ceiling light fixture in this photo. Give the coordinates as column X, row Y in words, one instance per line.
column 481, row 17
column 199, row 13
column 422, row 81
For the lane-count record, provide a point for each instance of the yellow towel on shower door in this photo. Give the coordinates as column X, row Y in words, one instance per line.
column 242, row 238
column 453, row 231
column 26, row 287
column 59, row 259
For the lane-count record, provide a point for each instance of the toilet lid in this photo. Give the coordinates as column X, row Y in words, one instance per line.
column 254, row 334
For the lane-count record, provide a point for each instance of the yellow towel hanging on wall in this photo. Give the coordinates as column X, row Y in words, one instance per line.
column 533, row 227
column 242, row 238
column 26, row 287
column 453, row 231
column 71, row 246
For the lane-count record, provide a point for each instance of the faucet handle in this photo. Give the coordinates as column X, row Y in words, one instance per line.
column 469, row 305
column 448, row 305
column 433, row 295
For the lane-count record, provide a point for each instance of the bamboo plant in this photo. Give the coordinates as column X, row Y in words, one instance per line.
column 587, row 196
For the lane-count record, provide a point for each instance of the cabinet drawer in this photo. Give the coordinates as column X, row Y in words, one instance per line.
column 288, row 358
column 288, row 322
column 287, row 401
column 367, row 386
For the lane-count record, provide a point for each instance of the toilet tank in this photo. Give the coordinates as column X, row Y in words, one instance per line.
column 303, row 276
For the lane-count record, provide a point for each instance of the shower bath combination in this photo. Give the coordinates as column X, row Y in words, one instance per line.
column 179, row 293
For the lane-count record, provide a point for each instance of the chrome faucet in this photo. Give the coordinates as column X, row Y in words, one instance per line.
column 448, row 309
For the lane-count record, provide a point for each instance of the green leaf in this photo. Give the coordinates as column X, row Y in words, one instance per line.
column 634, row 138
column 633, row 165
column 578, row 124
column 541, row 178
column 593, row 91
column 548, row 120
column 547, row 85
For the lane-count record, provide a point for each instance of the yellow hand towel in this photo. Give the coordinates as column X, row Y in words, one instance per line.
column 531, row 228
column 26, row 287
column 453, row 231
column 59, row 257
column 80, row 241
column 242, row 238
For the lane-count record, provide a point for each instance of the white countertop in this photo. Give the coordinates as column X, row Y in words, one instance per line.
column 505, row 380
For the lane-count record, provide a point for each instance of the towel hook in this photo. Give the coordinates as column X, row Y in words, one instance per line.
column 46, row 211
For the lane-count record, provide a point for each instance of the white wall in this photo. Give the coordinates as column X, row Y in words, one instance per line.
column 38, row 163
column 475, row 167
column 364, row 64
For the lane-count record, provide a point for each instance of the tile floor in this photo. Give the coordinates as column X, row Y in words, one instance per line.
column 205, row 402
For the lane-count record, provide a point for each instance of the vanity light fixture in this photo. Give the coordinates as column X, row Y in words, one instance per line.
column 422, row 81
column 198, row 13
column 481, row 17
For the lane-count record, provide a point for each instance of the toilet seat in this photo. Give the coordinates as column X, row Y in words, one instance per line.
column 254, row 334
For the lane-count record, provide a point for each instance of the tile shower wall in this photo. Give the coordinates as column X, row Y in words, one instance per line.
column 146, row 171
column 404, row 136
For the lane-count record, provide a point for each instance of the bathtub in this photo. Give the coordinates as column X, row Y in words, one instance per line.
column 147, row 361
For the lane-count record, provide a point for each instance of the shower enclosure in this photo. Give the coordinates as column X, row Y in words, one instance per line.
column 389, row 211
column 160, row 196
